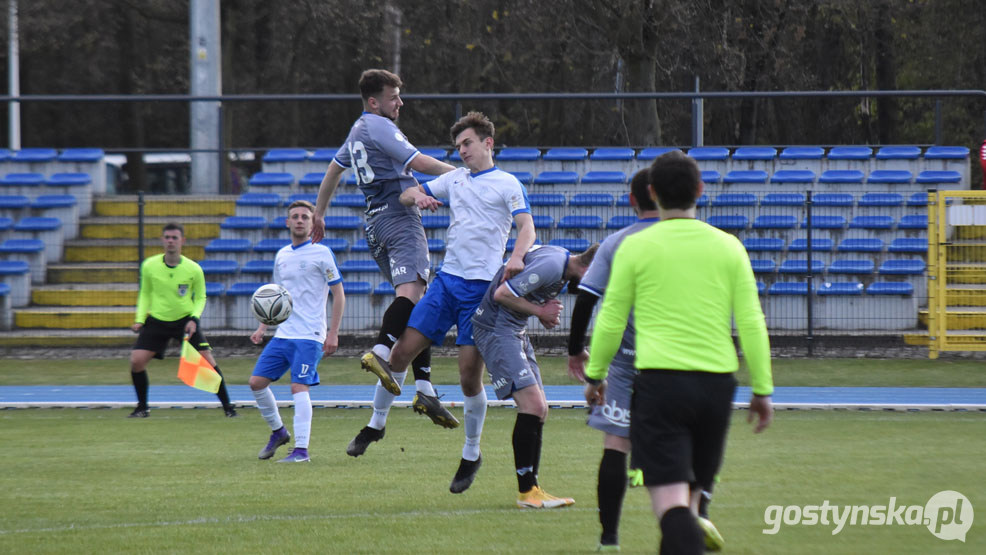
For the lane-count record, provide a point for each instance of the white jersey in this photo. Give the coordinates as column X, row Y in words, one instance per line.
column 306, row 271
column 483, row 206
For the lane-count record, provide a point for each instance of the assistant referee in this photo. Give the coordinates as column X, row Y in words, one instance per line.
column 170, row 302
column 685, row 281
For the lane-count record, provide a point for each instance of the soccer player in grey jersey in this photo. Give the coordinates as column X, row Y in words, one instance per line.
column 500, row 332
column 382, row 159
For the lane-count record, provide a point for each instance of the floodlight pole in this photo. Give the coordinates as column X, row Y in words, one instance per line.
column 205, row 68
column 13, row 78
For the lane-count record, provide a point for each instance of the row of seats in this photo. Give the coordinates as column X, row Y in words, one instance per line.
column 826, row 245
column 740, row 222
column 861, row 266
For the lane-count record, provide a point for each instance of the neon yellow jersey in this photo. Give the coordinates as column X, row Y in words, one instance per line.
column 170, row 293
column 685, row 281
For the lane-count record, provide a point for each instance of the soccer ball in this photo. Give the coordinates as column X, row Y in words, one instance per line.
column 271, row 304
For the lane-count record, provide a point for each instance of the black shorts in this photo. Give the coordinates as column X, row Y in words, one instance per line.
column 678, row 425
column 155, row 334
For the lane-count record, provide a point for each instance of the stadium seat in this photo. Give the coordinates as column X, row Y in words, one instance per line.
column 86, row 161
column 611, row 159
column 354, row 222
column 48, row 230
column 518, row 154
column 360, row 245
column 384, row 288
column 278, row 226
column 729, row 222
column 906, row 266
column 849, row 158
column 80, row 185
column 349, row 200
column 754, row 158
column 908, row 244
column 931, row 177
column 800, row 266
column 788, row 288
column 819, row 245
column 841, row 288
column 839, row 200
column 270, row 246
column 761, row 288
column 951, row 158
column 711, row 177
column 311, row 180
column 6, row 308
column 734, row 199
column 310, row 197
column 702, row 201
column 825, row 222
column 834, row 181
column 572, row 244
column 63, row 207
column 763, row 265
column 890, row 288
column 41, row 160
column 435, row 152
column 913, row 221
column 647, row 155
column 793, row 176
column 357, row 265
column 783, row 199
column 14, row 206
column 880, row 199
column 711, row 157
column 860, row 245
column 556, row 178
column 801, row 158
column 271, row 181
column 219, row 271
column 597, row 178
column 29, row 251
column 241, row 227
column 851, row 266
column 591, row 199
column 565, row 158
column 512, row 241
column 573, row 221
column 27, row 184
column 6, row 224
column 763, row 244
column 336, row 244
column 619, row 222
column 541, row 221
column 258, row 269
column 422, row 178
column 775, row 221
column 546, row 199
column 237, row 250
column 436, row 245
column 17, row 274
column 896, row 157
column 525, row 178
column 890, row 177
column 263, row 205
column 758, row 177
column 293, row 161
column 432, row 221
column 872, row 222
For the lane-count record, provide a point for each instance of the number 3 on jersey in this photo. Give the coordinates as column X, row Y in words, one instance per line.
column 357, row 153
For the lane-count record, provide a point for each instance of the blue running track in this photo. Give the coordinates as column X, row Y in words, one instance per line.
column 177, row 396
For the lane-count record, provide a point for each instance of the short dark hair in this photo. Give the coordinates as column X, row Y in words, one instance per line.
column 675, row 179
column 171, row 226
column 372, row 82
column 640, row 189
column 304, row 203
column 478, row 122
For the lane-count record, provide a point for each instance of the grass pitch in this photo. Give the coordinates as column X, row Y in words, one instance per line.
column 188, row 481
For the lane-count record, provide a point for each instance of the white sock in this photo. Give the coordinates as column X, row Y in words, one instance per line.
column 424, row 386
column 382, row 400
column 382, row 351
column 268, row 408
column 302, row 419
column 475, row 414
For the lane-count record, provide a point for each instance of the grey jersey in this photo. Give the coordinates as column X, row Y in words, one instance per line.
column 379, row 154
column 540, row 281
column 597, row 277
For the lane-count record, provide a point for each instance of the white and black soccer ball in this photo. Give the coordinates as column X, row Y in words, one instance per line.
column 271, row 304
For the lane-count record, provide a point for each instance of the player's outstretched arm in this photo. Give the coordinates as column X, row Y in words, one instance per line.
column 257, row 337
column 526, row 235
column 338, row 306
column 325, row 191
column 416, row 196
column 429, row 165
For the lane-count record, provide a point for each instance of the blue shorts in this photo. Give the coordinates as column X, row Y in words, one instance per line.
column 449, row 301
column 301, row 356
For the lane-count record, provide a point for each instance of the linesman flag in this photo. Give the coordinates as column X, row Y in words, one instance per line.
column 195, row 370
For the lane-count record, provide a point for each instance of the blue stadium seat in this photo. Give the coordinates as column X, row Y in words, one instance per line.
column 735, row 199
column 818, row 244
column 271, row 179
column 898, row 153
column 358, row 265
column 764, row 244
column 604, row 178
column 14, row 205
column 454, row 156
column 68, row 179
column 546, row 199
column 793, row 176
column 570, row 243
column 270, row 246
column 422, row 178
column 761, row 288
column 861, row 245
column 711, row 177
column 610, row 154
column 436, row 245
column 850, row 153
column 566, row 154
column 360, row 245
column 767, row 221
column 431, row 221
column 842, row 288
column 243, row 288
column 556, row 178
column 310, row 197
column 734, row 221
column 384, row 288
column 336, row 244
column 22, row 184
column 258, row 268
column 541, row 221
column 709, row 153
column 347, row 222
column 800, row 266
column 619, row 222
column 34, row 155
column 580, row 222
column 783, row 199
column 913, row 221
column 234, row 246
column 890, row 288
column 323, row 155
column 788, row 288
column 851, row 266
column 591, row 199
column 872, row 222
column 212, row 268
column 906, row 266
column 802, row 153
column 650, row 153
column 746, row 176
column 890, row 176
column 825, row 222
column 435, row 152
column 349, row 200
column 311, row 179
column 623, row 200
column 518, row 154
column 841, row 177
column 357, row 287
column 759, row 153
column 286, row 155
column 525, row 178
column 881, row 199
column 278, row 224
column 946, row 153
column 841, row 200
column 702, row 201
column 81, row 155
column 264, row 205
column 763, row 266
column 931, row 176
column 513, row 241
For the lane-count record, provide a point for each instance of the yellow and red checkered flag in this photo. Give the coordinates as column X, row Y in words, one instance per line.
column 195, row 370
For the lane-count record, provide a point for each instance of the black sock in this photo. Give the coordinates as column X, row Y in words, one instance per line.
column 421, row 365
column 140, row 387
column 222, row 393
column 703, row 503
column 525, row 442
column 610, row 488
column 394, row 321
column 680, row 534
column 537, row 450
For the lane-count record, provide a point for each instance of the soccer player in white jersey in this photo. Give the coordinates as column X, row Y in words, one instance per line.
column 382, row 159
column 309, row 272
column 484, row 201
